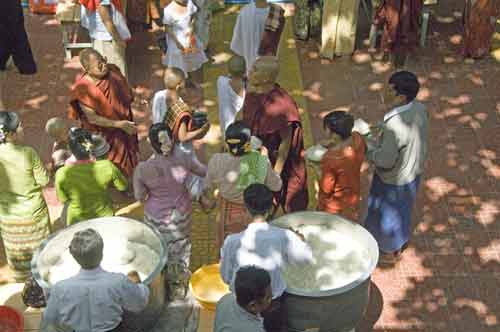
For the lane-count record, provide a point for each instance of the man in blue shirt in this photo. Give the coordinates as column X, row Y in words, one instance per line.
column 241, row 311
column 94, row 299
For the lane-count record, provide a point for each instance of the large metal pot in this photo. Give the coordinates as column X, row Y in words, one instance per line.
column 112, row 228
column 333, row 310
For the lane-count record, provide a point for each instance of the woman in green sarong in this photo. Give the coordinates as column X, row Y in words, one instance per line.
column 24, row 217
column 232, row 172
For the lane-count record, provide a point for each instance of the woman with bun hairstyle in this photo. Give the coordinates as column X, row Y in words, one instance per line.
column 83, row 184
column 164, row 184
column 24, row 217
column 339, row 188
column 232, row 172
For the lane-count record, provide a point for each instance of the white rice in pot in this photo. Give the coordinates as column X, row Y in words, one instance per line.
column 339, row 260
column 120, row 256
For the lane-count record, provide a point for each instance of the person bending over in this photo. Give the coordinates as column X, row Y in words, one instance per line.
column 241, row 311
column 83, row 184
column 94, row 299
column 271, row 248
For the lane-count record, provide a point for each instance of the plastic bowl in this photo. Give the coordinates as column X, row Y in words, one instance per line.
column 207, row 286
column 10, row 320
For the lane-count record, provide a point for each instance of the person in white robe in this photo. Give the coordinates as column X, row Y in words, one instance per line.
column 248, row 30
column 184, row 49
column 231, row 92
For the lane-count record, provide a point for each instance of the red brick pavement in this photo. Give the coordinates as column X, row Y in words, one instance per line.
column 448, row 278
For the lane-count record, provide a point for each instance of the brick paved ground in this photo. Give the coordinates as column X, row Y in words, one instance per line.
column 448, row 279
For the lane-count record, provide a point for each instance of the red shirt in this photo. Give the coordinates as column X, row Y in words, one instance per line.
column 339, row 186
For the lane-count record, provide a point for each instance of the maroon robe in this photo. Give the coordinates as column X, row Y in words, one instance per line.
column 270, row 40
column 479, row 21
column 400, row 20
column 111, row 98
column 269, row 115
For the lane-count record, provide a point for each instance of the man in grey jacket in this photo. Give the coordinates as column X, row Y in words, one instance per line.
column 94, row 299
column 399, row 155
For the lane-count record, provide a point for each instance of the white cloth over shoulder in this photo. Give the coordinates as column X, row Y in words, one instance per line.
column 230, row 103
column 247, row 32
column 182, row 28
column 93, row 22
column 159, row 108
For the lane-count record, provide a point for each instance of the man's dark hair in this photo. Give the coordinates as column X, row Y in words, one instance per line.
column 406, row 84
column 80, row 143
column 340, row 123
column 237, row 135
column 250, row 284
column 86, row 247
column 154, row 132
column 258, row 199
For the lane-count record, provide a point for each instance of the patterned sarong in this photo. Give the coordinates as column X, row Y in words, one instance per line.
column 177, row 236
column 21, row 238
column 233, row 218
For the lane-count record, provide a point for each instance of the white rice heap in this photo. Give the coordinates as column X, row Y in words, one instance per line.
column 339, row 260
column 120, row 256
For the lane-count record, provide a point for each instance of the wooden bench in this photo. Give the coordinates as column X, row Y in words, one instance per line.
column 70, row 44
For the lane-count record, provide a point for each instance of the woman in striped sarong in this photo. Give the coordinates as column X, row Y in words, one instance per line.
column 24, row 217
column 232, row 172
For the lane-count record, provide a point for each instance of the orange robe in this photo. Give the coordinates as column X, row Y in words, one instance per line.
column 269, row 115
column 111, row 98
column 339, row 188
column 479, row 19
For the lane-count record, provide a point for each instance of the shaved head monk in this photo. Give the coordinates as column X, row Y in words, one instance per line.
column 101, row 100
column 273, row 116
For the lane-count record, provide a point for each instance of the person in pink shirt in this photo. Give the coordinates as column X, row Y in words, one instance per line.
column 164, row 184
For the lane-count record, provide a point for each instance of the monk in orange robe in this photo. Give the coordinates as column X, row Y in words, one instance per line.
column 101, row 100
column 273, row 117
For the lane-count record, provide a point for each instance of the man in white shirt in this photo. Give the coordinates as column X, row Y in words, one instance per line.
column 105, row 21
column 265, row 246
column 231, row 92
column 93, row 300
